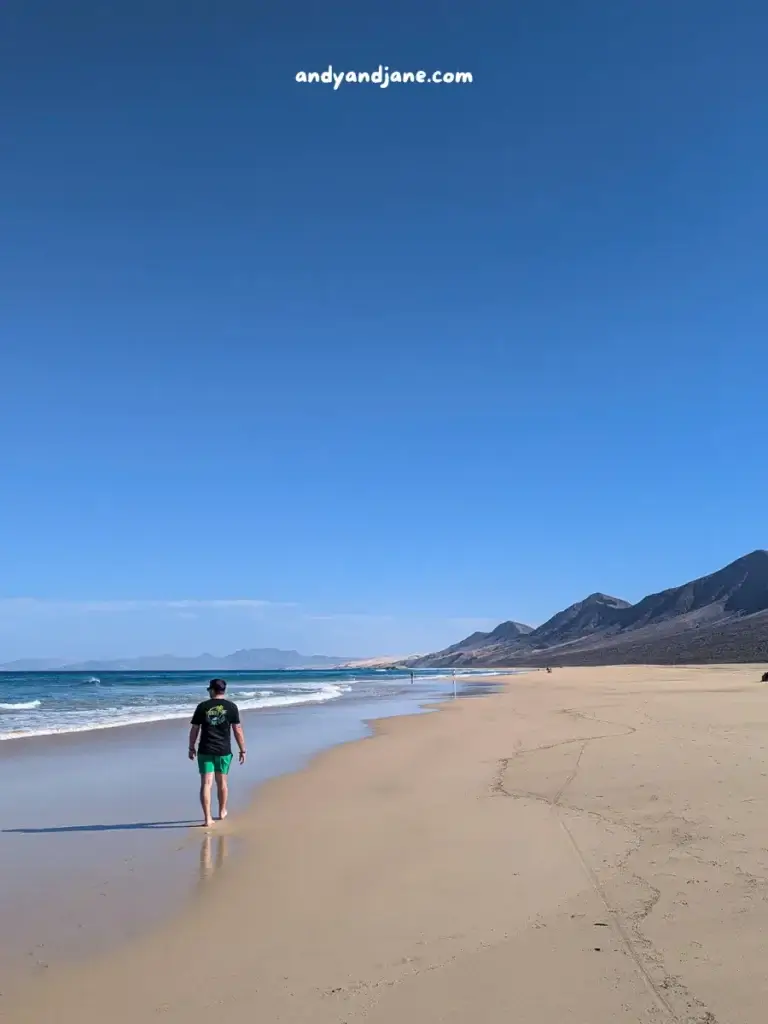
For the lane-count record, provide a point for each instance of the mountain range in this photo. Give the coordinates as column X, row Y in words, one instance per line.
column 255, row 659
column 722, row 617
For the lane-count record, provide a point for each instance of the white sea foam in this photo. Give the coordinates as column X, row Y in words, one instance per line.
column 29, row 705
column 329, row 691
column 113, row 718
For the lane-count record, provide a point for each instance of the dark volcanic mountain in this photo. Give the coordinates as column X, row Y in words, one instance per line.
column 720, row 617
column 505, row 633
column 741, row 588
column 596, row 612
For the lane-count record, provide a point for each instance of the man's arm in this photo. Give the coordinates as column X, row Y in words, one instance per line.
column 237, row 729
column 193, row 734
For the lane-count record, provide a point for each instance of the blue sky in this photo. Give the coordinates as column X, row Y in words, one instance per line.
column 381, row 365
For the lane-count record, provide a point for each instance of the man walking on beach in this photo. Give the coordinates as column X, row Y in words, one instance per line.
column 214, row 721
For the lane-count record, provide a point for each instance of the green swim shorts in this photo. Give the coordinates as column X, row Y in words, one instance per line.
column 218, row 763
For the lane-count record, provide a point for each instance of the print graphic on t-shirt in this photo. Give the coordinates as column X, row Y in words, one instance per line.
column 216, row 715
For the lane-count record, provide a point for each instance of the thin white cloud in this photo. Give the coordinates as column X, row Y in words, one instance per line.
column 35, row 604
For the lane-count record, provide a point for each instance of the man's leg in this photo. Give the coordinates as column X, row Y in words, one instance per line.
column 222, row 791
column 206, row 785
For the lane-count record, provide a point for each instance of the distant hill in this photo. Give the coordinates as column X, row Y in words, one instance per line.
column 255, row 659
column 31, row 665
column 383, row 661
column 722, row 617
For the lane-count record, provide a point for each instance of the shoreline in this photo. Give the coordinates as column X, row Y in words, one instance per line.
column 601, row 828
column 104, row 867
column 308, row 691
column 55, row 742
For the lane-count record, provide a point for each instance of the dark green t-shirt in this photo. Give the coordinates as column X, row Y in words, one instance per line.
column 216, row 718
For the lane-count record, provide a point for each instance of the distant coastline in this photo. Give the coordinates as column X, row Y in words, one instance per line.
column 385, row 661
column 247, row 660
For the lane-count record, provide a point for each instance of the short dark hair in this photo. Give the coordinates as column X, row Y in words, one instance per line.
column 217, row 685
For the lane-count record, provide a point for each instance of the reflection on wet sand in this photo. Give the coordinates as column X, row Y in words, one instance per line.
column 213, row 853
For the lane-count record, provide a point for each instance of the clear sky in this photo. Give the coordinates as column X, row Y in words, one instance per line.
column 387, row 365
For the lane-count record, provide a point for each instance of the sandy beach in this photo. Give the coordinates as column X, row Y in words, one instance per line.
column 587, row 846
column 98, row 831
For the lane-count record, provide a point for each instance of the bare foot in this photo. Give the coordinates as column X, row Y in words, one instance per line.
column 222, row 815
column 209, row 823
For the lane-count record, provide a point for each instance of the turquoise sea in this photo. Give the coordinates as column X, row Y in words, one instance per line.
column 45, row 703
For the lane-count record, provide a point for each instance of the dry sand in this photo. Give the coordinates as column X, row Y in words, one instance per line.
column 588, row 846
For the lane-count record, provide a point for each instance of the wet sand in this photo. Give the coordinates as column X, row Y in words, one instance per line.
column 99, row 831
column 588, row 846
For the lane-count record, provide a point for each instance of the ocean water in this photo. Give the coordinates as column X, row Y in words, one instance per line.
column 45, row 703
